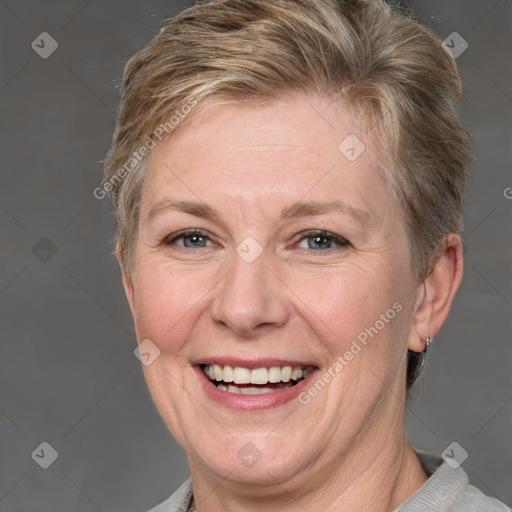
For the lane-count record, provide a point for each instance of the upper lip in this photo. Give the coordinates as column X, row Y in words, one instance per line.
column 265, row 362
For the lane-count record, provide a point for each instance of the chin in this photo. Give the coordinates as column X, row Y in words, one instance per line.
column 250, row 460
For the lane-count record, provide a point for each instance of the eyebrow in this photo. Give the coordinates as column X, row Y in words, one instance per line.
column 190, row 207
column 299, row 209
column 305, row 209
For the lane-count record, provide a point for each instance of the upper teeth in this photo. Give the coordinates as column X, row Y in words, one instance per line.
column 240, row 375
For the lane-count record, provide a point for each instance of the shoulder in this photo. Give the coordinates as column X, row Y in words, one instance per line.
column 178, row 502
column 474, row 500
column 448, row 490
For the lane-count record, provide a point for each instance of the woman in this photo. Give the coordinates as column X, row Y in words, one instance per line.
column 288, row 180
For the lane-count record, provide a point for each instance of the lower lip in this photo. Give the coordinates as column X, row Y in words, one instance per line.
column 253, row 402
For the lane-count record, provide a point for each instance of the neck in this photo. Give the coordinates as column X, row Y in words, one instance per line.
column 379, row 481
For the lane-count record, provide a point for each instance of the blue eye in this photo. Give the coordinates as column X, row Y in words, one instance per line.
column 321, row 241
column 316, row 241
column 189, row 240
column 194, row 241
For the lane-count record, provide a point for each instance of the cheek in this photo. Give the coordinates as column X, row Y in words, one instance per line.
column 167, row 301
column 350, row 304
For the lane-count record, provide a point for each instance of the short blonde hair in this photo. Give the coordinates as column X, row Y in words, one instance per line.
column 392, row 69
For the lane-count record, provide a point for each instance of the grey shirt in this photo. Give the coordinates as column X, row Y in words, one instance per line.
column 446, row 490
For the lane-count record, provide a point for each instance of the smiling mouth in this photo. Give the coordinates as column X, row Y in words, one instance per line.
column 255, row 381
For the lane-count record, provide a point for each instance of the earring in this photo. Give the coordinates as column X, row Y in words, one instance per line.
column 428, row 342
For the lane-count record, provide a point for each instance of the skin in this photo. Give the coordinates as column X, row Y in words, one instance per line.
column 346, row 448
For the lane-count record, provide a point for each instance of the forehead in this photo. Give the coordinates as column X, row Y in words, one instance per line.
column 299, row 148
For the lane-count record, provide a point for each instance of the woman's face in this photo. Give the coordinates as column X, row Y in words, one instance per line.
column 267, row 239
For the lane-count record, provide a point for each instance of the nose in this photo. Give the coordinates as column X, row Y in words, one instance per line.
column 250, row 298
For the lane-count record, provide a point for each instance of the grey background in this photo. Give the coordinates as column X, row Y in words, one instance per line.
column 68, row 375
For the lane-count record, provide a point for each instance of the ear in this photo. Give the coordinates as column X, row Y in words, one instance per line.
column 127, row 282
column 436, row 293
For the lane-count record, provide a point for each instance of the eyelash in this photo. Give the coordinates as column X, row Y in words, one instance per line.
column 337, row 240
column 171, row 239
